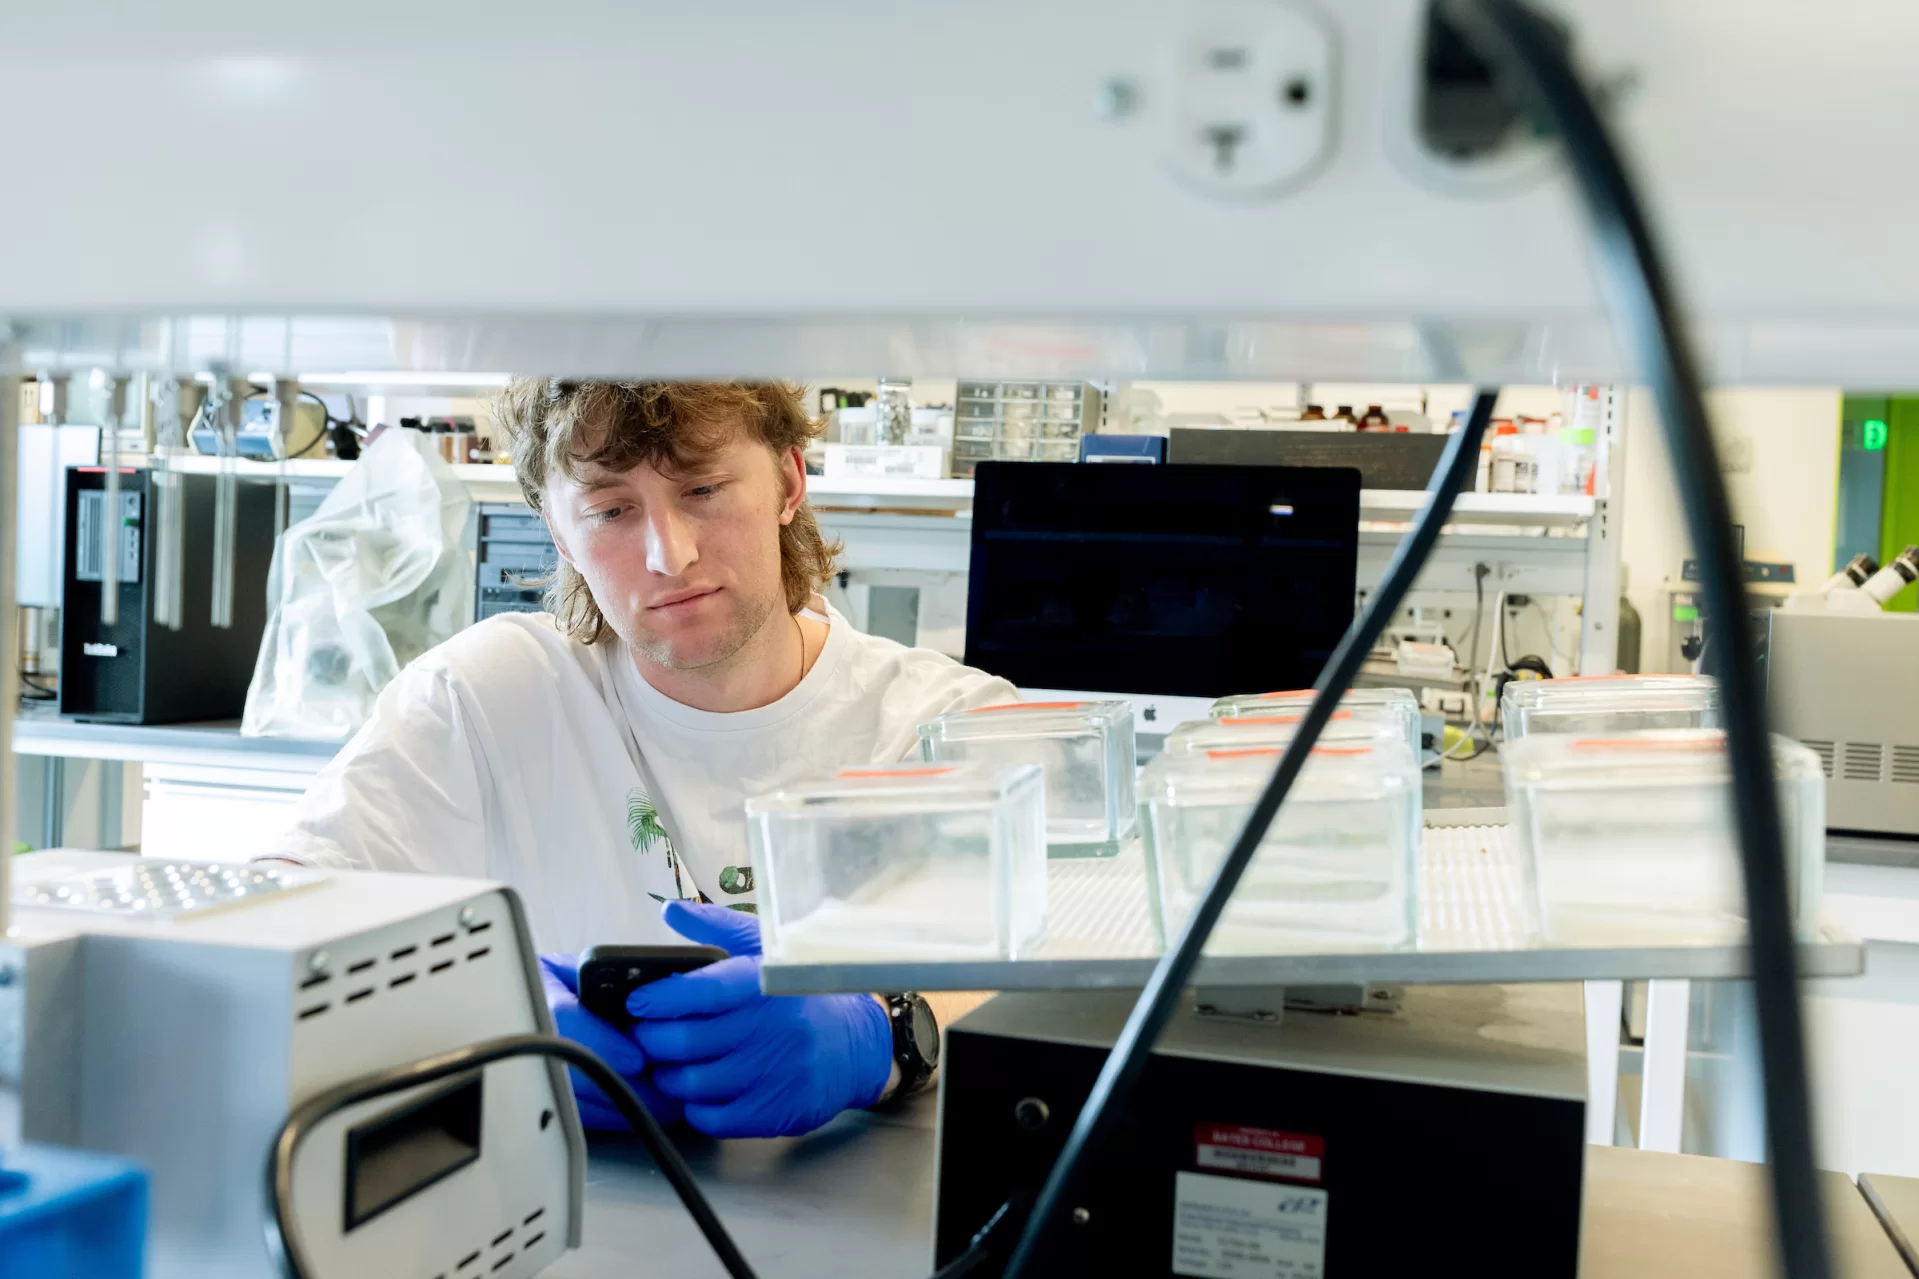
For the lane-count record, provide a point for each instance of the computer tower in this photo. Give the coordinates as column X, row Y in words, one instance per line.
column 138, row 671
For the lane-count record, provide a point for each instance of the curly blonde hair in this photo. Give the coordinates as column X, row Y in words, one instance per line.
column 557, row 425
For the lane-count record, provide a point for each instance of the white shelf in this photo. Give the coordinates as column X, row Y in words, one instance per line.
column 1393, row 506
column 213, row 745
column 298, row 468
column 485, row 482
column 1524, row 510
column 945, row 495
column 1519, row 510
column 325, row 468
column 1476, row 926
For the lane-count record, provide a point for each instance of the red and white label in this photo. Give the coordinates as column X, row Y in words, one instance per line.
column 1259, row 1152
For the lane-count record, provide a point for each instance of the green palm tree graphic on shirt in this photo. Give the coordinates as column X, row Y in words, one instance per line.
column 643, row 826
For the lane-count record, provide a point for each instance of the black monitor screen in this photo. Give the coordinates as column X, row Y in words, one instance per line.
column 1189, row 581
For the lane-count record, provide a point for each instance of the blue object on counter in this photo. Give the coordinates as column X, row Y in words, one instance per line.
column 70, row 1214
column 1122, row 448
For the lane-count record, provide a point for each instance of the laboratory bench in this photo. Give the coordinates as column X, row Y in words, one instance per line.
column 856, row 1198
column 1895, row 1201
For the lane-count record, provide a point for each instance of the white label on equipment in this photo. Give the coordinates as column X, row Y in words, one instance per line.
column 1259, row 1163
column 885, row 461
column 1223, row 1227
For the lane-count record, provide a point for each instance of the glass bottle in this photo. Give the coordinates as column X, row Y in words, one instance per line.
column 894, row 411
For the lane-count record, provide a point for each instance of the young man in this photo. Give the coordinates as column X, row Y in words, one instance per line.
column 597, row 758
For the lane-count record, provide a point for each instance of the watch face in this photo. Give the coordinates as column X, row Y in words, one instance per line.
column 926, row 1033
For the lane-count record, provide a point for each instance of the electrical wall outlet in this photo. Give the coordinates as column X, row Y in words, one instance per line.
column 1253, row 98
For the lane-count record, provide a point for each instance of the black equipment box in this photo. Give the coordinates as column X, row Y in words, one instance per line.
column 1384, row 459
column 1434, row 1140
column 138, row 671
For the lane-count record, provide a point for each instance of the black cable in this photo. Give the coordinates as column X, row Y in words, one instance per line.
column 287, row 1249
column 284, row 1244
column 1107, row 1101
column 979, row 1249
column 1530, row 662
column 1530, row 56
column 1479, row 613
column 324, row 409
column 33, row 692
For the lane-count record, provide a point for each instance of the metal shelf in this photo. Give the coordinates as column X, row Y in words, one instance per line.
column 205, row 745
column 1474, row 928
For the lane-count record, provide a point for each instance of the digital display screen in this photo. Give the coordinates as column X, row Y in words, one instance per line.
column 1191, row 581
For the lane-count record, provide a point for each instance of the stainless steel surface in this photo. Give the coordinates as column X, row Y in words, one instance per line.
column 1895, row 1202
column 111, row 531
column 1476, row 926
column 169, row 439
column 53, row 803
column 9, row 640
column 286, row 395
column 854, row 1199
column 225, row 406
column 1868, row 850
column 1845, row 684
column 1599, row 613
column 42, row 454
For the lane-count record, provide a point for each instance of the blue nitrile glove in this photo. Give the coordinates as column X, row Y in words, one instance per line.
column 753, row 1065
column 560, row 975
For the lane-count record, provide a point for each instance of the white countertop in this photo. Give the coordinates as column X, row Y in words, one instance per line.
column 203, row 744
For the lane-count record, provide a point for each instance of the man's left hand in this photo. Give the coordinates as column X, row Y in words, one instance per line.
column 753, row 1065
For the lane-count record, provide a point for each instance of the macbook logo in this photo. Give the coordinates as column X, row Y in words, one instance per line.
column 100, row 650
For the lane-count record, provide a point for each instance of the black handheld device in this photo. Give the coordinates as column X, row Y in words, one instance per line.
column 608, row 974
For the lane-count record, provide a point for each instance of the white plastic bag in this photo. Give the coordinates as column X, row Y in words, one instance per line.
column 372, row 579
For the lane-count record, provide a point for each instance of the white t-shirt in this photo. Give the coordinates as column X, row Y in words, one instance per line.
column 512, row 752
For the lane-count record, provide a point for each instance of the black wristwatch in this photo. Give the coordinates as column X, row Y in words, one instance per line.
column 916, row 1041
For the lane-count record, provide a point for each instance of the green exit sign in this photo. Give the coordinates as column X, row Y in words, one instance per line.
column 1872, row 435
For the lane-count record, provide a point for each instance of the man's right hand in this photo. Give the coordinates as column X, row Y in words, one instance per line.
column 560, row 975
